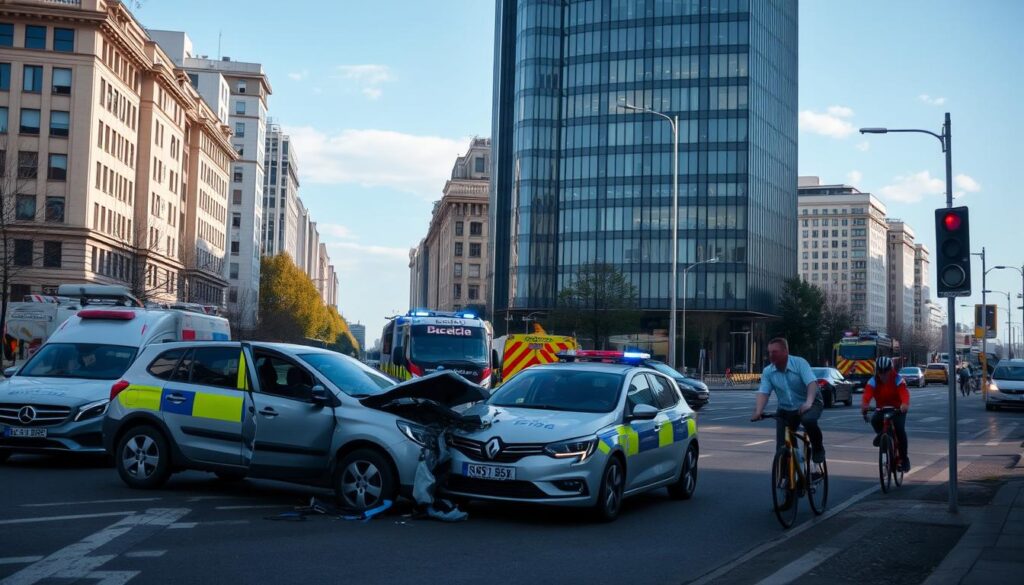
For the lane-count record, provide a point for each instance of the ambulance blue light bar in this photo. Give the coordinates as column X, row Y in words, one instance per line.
column 608, row 357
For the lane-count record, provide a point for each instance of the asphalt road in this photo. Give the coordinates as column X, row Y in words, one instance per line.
column 67, row 519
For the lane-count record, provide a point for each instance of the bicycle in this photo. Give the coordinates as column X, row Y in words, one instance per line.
column 890, row 462
column 791, row 469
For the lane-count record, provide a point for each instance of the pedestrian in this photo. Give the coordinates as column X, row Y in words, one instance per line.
column 796, row 391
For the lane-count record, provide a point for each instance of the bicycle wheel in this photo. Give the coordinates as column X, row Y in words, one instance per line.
column 784, row 498
column 817, row 490
column 885, row 463
column 897, row 470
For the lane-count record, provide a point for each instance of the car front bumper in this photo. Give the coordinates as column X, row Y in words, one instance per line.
column 539, row 479
column 1005, row 398
column 68, row 437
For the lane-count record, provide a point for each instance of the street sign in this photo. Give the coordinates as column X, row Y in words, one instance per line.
column 991, row 321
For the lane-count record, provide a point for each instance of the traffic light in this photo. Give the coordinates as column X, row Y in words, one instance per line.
column 953, row 252
column 990, row 319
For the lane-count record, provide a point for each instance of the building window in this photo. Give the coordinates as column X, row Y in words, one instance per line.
column 458, row 228
column 25, row 207
column 476, row 228
column 458, row 269
column 478, row 163
column 28, row 164
column 237, row 175
column 233, row 295
column 458, row 248
column 242, row 86
column 6, row 34
column 236, row 196
column 457, row 290
column 61, row 81
column 55, row 209
column 5, row 76
column 233, row 270
column 3, row 120
column 240, row 107
column 474, row 271
column 474, row 250
column 32, row 81
column 52, row 252
column 240, row 128
column 29, row 121
column 236, row 220
column 23, row 252
column 474, row 292
column 64, row 40
column 35, row 37
column 234, row 248
column 60, row 123
column 58, row 170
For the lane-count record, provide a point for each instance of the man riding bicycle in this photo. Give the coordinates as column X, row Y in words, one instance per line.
column 796, row 391
column 965, row 380
column 888, row 389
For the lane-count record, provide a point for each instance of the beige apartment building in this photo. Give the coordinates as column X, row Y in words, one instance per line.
column 901, row 260
column 448, row 270
column 922, row 287
column 115, row 170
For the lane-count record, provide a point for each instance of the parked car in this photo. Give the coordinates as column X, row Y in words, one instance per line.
column 278, row 411
column 578, row 434
column 833, row 387
column 936, row 372
column 694, row 391
column 1006, row 387
column 913, row 376
column 55, row 402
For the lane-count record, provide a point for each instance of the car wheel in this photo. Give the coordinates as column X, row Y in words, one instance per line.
column 364, row 479
column 609, row 496
column 143, row 458
column 829, row 398
column 684, row 487
column 230, row 476
column 849, row 401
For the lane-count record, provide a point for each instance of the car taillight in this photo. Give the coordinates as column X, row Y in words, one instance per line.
column 118, row 387
column 414, row 369
column 822, row 383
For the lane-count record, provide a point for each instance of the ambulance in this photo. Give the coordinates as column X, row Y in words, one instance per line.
column 513, row 353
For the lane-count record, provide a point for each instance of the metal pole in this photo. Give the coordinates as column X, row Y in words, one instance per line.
column 984, row 325
column 951, row 333
column 674, row 293
column 685, row 273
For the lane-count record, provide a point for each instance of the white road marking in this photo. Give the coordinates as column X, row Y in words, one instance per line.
column 181, row 525
column 60, row 518
column 19, row 560
column 849, row 462
column 1003, row 435
column 790, row 572
column 125, row 500
column 929, row 419
column 755, row 443
column 73, row 561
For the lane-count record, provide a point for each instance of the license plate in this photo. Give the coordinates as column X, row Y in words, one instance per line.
column 25, row 433
column 493, row 472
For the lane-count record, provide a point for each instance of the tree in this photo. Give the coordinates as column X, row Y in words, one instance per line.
column 800, row 306
column 600, row 302
column 836, row 318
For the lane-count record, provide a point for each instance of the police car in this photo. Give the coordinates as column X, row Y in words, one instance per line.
column 586, row 432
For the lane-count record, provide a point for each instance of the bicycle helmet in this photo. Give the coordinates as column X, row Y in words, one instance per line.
column 884, row 364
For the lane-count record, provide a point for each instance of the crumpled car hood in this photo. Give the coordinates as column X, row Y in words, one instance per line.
column 430, row 399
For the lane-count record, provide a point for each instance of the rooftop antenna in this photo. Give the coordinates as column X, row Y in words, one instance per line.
column 220, row 35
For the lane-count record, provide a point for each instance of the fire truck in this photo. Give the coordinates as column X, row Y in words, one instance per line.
column 854, row 355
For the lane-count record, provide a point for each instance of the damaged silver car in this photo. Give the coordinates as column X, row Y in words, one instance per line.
column 276, row 411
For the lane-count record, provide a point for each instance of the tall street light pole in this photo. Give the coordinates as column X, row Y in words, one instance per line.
column 984, row 320
column 685, row 272
column 673, row 287
column 1021, row 272
column 946, row 139
column 1009, row 320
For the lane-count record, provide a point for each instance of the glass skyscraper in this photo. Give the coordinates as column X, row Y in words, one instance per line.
column 577, row 179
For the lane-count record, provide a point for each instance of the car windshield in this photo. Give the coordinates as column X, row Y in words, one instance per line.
column 84, row 361
column 857, row 352
column 910, row 371
column 820, row 372
column 1010, row 373
column 560, row 389
column 349, row 375
column 664, row 368
column 435, row 344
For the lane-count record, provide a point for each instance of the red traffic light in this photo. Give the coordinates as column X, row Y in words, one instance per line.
column 951, row 221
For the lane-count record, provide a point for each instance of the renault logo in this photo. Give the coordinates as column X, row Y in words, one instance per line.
column 492, row 448
column 27, row 414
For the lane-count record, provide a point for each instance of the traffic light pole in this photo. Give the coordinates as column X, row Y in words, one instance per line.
column 947, row 146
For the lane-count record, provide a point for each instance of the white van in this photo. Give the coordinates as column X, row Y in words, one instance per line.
column 55, row 402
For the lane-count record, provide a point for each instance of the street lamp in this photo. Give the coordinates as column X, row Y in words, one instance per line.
column 673, row 291
column 1021, row 272
column 685, row 272
column 946, row 140
column 1009, row 319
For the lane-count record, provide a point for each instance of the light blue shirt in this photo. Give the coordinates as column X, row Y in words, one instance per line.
column 790, row 385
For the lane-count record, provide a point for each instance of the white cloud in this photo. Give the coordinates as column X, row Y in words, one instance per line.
column 863, row 146
column 931, row 100
column 965, row 184
column 833, row 122
column 854, row 177
column 363, row 249
column 368, row 78
column 913, row 188
column 335, row 231
column 298, row 75
column 371, row 158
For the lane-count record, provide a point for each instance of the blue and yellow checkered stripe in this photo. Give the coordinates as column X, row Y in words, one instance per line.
column 635, row 441
column 209, row 405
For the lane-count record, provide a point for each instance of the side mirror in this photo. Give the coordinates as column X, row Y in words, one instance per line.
column 644, row 412
column 11, row 371
column 320, row 396
column 398, row 355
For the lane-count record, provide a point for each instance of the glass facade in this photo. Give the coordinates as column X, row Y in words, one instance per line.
column 578, row 179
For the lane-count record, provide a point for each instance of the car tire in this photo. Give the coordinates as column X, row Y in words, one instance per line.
column 609, row 495
column 230, row 476
column 684, row 487
column 364, row 479
column 849, row 401
column 829, row 398
column 143, row 458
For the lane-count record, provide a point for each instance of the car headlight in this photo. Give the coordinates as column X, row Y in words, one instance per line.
column 418, row 434
column 578, row 448
column 92, row 410
column 992, row 387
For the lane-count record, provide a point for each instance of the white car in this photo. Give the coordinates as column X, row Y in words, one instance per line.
column 1006, row 387
column 578, row 434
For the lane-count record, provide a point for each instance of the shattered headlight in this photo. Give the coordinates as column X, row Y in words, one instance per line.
column 92, row 410
column 418, row 434
column 579, row 448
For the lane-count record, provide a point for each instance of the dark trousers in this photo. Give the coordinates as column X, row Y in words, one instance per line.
column 900, row 422
column 793, row 419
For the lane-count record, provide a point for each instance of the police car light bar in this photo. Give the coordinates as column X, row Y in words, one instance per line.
column 603, row 356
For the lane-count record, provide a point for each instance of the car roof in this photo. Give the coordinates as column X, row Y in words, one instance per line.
column 292, row 348
column 591, row 367
column 1011, row 362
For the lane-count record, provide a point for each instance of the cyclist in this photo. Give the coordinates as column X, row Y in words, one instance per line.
column 965, row 380
column 888, row 389
column 796, row 391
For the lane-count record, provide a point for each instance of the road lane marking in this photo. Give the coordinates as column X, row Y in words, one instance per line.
column 929, row 419
column 60, row 518
column 790, row 572
column 1002, row 436
column 755, row 443
column 851, row 462
column 19, row 560
column 82, row 503
column 73, row 561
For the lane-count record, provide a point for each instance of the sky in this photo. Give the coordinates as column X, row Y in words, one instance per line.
column 381, row 97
